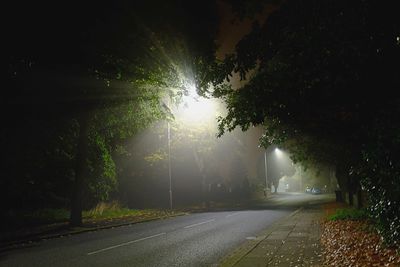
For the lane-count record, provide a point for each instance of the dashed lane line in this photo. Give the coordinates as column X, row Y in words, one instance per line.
column 232, row 214
column 124, row 244
column 197, row 224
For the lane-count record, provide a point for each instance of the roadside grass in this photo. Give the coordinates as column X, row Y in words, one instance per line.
column 110, row 213
column 17, row 219
column 115, row 210
column 22, row 225
column 102, row 211
column 349, row 214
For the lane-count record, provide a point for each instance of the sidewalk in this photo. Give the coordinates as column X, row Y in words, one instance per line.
column 292, row 241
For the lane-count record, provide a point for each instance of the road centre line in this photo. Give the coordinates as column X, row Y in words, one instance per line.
column 232, row 214
column 200, row 223
column 124, row 244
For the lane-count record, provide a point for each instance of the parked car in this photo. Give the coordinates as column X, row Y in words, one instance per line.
column 316, row 190
column 308, row 190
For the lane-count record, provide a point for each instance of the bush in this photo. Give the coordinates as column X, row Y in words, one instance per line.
column 380, row 176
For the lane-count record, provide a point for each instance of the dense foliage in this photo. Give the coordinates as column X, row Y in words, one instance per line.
column 81, row 79
column 322, row 77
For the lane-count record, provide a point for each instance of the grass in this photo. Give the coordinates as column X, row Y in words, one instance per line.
column 348, row 214
column 102, row 211
column 114, row 210
column 43, row 216
column 21, row 219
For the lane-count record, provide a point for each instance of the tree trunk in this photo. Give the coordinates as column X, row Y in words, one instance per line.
column 81, row 171
column 359, row 199
column 350, row 190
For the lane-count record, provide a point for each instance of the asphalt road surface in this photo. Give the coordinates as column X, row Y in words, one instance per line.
column 200, row 239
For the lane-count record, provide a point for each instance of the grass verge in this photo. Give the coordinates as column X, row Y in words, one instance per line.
column 102, row 212
column 349, row 214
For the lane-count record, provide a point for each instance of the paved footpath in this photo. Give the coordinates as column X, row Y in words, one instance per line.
column 292, row 241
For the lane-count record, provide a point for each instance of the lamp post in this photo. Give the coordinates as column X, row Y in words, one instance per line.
column 266, row 173
column 168, row 110
column 194, row 109
column 169, row 165
column 278, row 153
column 301, row 180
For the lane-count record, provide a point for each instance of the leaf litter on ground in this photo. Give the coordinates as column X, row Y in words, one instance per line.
column 355, row 243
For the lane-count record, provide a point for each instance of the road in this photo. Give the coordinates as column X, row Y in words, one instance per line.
column 200, row 239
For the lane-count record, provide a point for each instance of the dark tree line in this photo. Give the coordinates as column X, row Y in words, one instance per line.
column 81, row 78
column 322, row 77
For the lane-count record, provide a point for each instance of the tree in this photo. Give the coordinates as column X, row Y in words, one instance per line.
column 320, row 75
column 103, row 72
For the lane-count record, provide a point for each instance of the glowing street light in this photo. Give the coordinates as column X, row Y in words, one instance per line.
column 279, row 154
column 194, row 109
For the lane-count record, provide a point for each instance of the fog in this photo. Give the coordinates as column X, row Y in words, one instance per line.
column 203, row 166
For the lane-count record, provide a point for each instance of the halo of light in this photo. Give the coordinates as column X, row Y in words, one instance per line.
column 278, row 152
column 195, row 108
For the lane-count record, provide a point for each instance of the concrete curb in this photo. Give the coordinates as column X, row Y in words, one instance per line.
column 235, row 256
column 24, row 242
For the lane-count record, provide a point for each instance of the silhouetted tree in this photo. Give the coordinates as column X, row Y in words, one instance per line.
column 99, row 69
column 322, row 79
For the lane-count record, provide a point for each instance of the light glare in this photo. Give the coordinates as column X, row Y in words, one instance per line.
column 196, row 108
column 278, row 152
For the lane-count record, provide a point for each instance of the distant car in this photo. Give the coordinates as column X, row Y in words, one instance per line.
column 316, row 190
column 308, row 189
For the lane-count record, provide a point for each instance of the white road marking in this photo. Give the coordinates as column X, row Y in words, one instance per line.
column 200, row 223
column 232, row 214
column 124, row 244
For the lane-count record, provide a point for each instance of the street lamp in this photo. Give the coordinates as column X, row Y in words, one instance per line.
column 169, row 165
column 279, row 154
column 196, row 109
column 168, row 110
column 266, row 175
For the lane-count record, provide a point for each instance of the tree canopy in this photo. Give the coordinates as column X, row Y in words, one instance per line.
column 322, row 80
column 82, row 78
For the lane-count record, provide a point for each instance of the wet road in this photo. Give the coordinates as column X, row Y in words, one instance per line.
column 200, row 239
